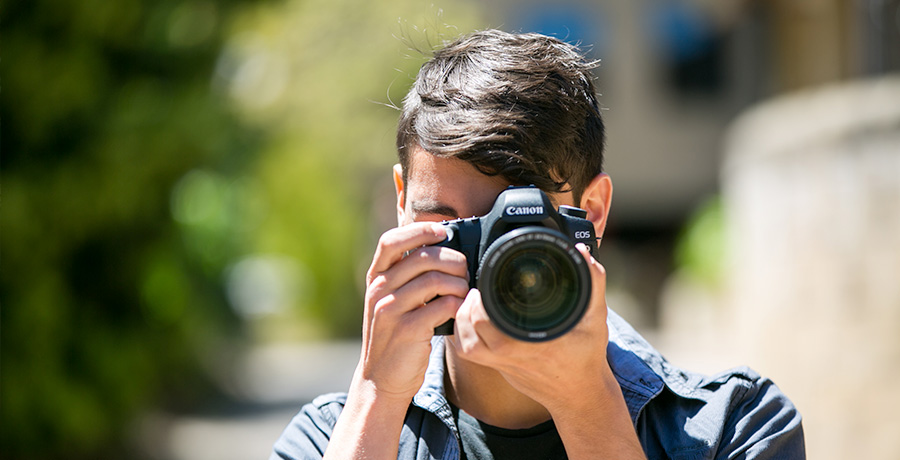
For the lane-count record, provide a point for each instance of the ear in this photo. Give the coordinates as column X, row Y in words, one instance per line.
column 401, row 197
column 596, row 200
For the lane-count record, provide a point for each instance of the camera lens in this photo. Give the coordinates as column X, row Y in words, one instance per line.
column 534, row 283
column 530, row 288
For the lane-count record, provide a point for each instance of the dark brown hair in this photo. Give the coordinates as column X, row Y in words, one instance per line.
column 522, row 106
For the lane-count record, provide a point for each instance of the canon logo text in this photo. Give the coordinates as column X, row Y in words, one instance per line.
column 524, row 210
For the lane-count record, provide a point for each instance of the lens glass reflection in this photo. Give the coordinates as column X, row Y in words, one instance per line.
column 535, row 286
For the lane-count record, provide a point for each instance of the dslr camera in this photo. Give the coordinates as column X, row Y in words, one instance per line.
column 534, row 284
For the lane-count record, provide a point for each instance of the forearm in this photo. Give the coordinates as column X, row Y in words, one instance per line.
column 596, row 424
column 368, row 427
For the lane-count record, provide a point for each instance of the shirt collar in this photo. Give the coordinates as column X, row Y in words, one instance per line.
column 628, row 354
column 637, row 364
column 431, row 395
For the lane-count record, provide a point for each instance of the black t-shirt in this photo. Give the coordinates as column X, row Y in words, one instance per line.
column 481, row 441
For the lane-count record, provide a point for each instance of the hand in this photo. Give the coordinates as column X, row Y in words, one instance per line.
column 397, row 329
column 398, row 325
column 569, row 375
column 547, row 372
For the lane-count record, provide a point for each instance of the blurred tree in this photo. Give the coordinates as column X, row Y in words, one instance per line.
column 320, row 79
column 105, row 308
column 160, row 157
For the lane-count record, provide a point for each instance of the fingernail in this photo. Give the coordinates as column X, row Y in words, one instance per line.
column 439, row 229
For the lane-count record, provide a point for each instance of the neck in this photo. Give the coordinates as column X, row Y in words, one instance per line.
column 483, row 393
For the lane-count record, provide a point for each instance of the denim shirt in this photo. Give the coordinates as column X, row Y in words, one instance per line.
column 677, row 414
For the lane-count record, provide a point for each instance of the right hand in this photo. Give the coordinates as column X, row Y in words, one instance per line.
column 406, row 273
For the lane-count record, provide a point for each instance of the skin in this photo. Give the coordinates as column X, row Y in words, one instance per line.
column 529, row 382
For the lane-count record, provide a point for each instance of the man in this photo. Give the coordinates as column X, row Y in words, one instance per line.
column 491, row 110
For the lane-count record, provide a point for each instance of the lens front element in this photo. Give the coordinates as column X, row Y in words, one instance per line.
column 534, row 283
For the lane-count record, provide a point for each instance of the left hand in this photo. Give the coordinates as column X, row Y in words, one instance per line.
column 549, row 372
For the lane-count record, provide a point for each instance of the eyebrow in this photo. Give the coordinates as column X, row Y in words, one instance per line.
column 433, row 208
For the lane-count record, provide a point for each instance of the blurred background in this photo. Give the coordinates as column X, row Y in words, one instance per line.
column 192, row 190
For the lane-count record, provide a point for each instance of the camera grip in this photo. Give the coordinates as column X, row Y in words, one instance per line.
column 445, row 329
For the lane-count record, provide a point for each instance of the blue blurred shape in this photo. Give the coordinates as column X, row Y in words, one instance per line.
column 681, row 30
column 574, row 23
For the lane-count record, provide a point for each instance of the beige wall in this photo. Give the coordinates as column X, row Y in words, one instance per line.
column 811, row 187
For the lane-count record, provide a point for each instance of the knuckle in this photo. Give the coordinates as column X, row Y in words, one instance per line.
column 462, row 287
column 383, row 307
column 425, row 280
column 470, row 348
column 386, row 243
column 455, row 255
column 453, row 302
column 433, row 281
column 481, row 321
column 377, row 283
column 599, row 271
column 376, row 291
column 424, row 253
column 431, row 256
column 450, row 255
column 445, row 305
column 370, row 277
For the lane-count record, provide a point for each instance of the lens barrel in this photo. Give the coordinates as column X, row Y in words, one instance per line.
column 534, row 283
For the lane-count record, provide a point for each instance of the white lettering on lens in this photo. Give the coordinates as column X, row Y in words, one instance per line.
column 524, row 210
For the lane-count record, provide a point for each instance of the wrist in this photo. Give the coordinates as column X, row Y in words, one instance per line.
column 365, row 394
column 598, row 421
column 369, row 425
column 597, row 391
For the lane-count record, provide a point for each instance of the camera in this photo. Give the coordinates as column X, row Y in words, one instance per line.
column 534, row 283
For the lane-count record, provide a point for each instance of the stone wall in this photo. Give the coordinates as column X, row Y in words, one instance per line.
column 811, row 191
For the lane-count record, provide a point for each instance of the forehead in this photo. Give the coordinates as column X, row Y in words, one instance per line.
column 439, row 182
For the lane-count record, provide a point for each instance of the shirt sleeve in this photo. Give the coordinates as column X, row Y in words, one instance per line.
column 764, row 425
column 307, row 435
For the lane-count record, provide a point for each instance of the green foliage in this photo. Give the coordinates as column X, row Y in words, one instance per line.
column 149, row 147
column 700, row 250
column 105, row 310
column 318, row 78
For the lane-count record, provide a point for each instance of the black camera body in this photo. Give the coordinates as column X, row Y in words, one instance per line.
column 522, row 258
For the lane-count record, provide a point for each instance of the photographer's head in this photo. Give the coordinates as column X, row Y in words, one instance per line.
column 518, row 106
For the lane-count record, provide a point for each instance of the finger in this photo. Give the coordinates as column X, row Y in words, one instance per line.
column 422, row 260
column 466, row 338
column 427, row 273
column 598, row 287
column 485, row 329
column 471, row 323
column 431, row 315
column 396, row 242
column 425, row 287
column 598, row 272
